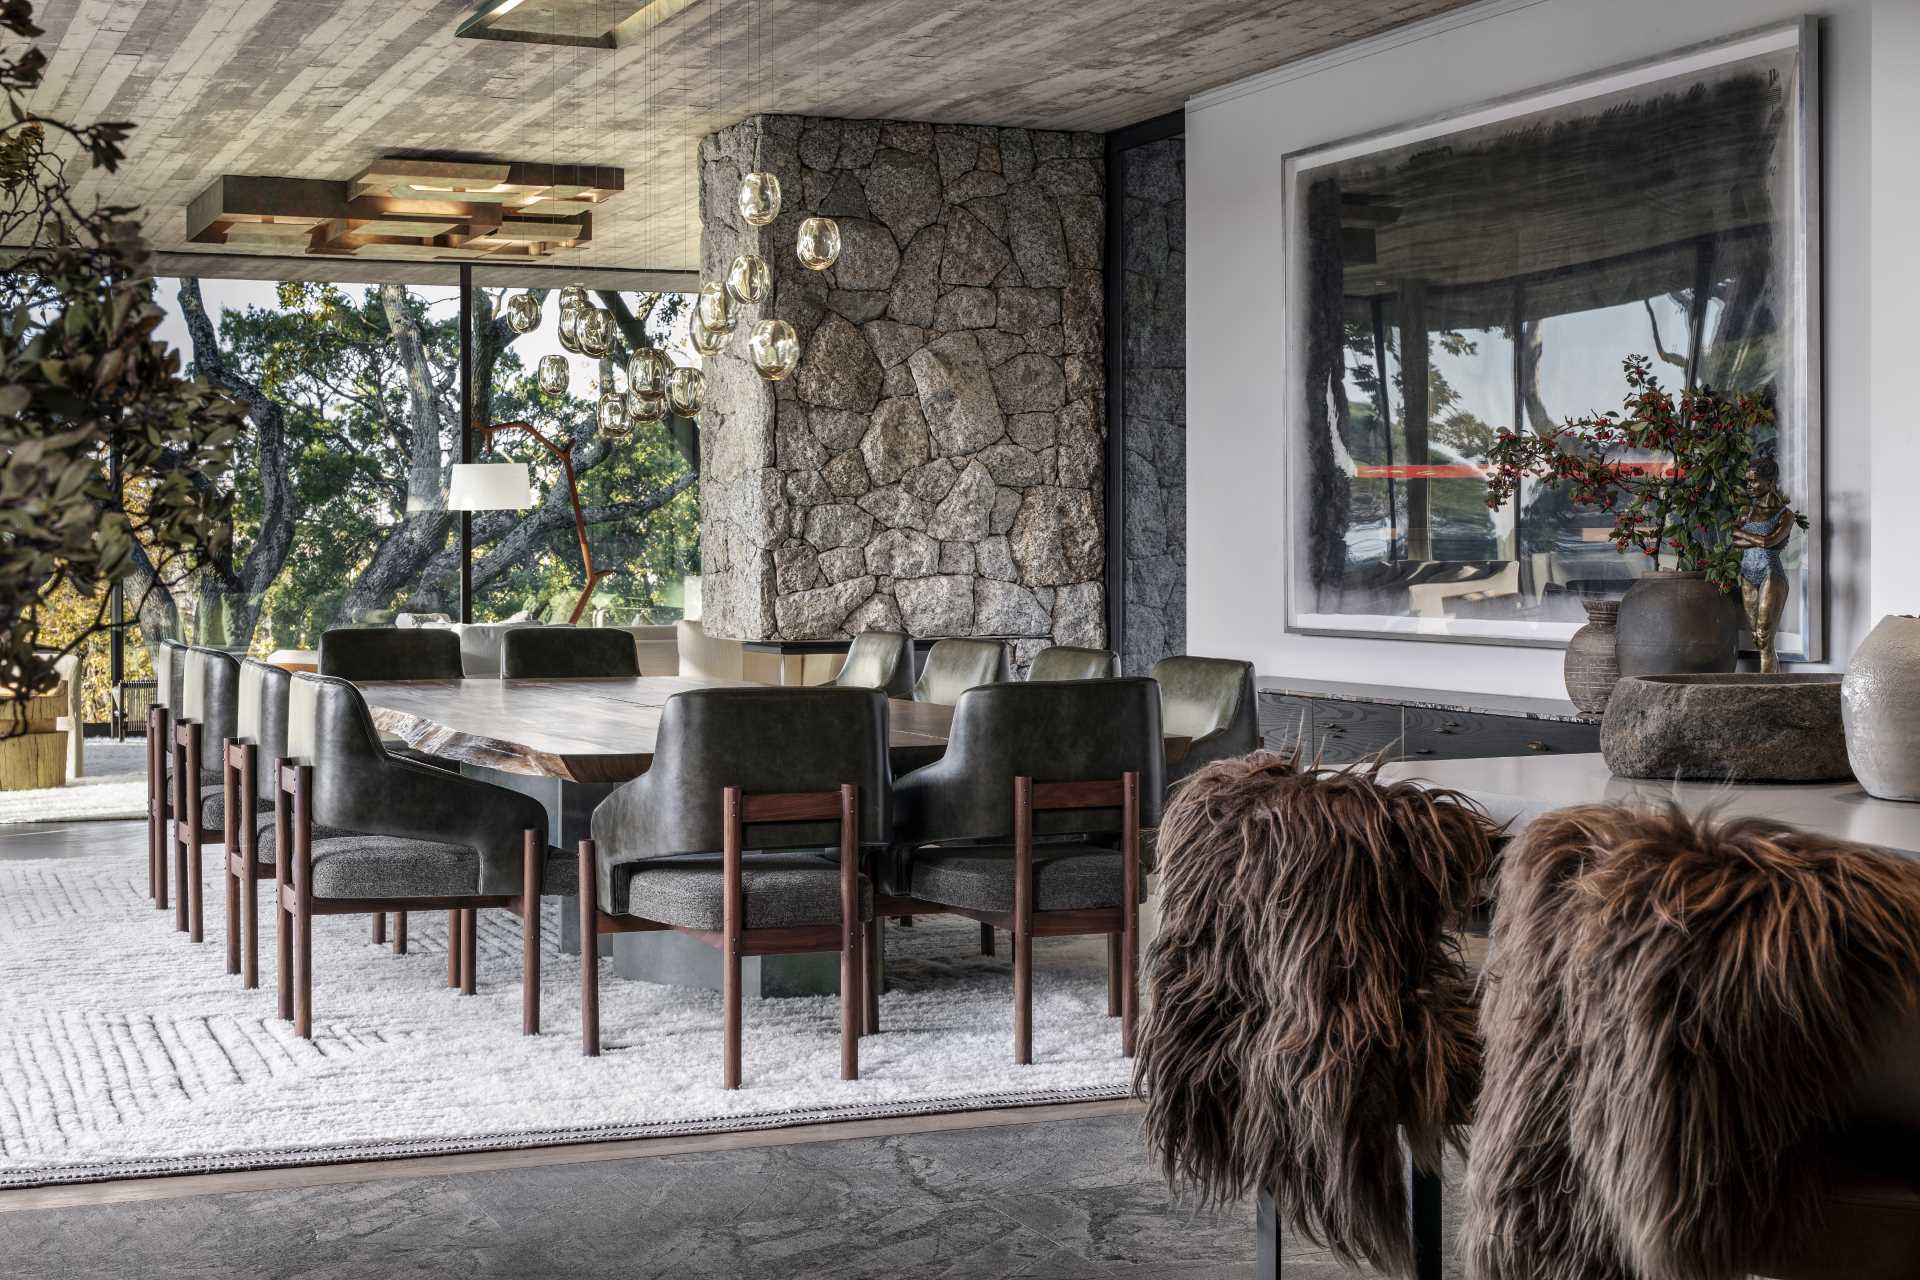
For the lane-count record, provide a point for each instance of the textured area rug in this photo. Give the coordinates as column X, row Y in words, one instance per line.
column 87, row 799
column 126, row 1050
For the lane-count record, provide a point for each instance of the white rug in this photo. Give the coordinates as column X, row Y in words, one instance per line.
column 86, row 799
column 126, row 1050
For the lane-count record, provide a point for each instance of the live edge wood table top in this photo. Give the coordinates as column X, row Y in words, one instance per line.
column 578, row 730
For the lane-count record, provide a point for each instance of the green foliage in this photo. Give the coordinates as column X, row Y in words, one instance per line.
column 1685, row 505
column 82, row 377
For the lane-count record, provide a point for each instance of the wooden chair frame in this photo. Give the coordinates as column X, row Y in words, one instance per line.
column 159, row 805
column 1120, row 924
column 1424, row 1207
column 187, row 835
column 293, row 898
column 734, row 940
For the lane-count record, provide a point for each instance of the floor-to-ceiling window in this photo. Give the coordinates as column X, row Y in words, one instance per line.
column 341, row 484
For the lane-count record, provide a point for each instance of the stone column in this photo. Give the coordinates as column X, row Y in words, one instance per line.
column 936, row 464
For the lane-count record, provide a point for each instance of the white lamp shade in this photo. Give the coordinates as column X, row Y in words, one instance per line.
column 490, row 486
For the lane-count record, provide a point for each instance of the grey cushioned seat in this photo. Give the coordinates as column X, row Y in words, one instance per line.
column 357, row 866
column 1066, row 877
column 213, row 809
column 348, row 865
column 779, row 890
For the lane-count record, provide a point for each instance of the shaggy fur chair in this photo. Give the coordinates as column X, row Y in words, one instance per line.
column 1681, row 1020
column 1308, row 1001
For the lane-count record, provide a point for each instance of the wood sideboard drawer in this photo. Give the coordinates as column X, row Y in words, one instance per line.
column 1464, row 735
column 1286, row 723
column 1351, row 732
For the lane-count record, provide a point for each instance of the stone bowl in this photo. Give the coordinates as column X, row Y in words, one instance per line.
column 1731, row 728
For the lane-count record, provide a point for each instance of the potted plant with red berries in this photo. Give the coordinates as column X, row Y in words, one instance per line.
column 1672, row 471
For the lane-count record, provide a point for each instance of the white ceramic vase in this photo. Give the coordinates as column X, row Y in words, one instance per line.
column 1880, row 704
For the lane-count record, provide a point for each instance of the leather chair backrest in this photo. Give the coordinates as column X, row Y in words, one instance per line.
column 1064, row 662
column 763, row 740
column 1199, row 696
column 261, row 717
column 704, row 657
column 169, row 671
column 210, row 696
column 567, row 653
column 1050, row 731
column 390, row 653
column 879, row 660
column 955, row 666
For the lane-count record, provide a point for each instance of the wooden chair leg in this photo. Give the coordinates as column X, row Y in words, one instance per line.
column 182, row 801
column 399, row 933
column 1023, row 921
column 232, row 886
column 852, row 1003
column 875, row 952
column 733, row 904
column 303, row 904
column 282, row 879
column 379, row 928
column 588, row 899
column 532, row 854
column 196, row 876
column 1113, row 975
column 453, row 947
column 158, row 806
column 986, row 939
column 469, row 951
column 249, row 876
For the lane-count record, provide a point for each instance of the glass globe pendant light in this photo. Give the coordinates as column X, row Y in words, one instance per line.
column 647, row 374
column 596, row 331
column 759, row 198
column 714, row 310
column 612, row 417
column 686, row 391
column 523, row 312
column 644, row 412
column 818, row 244
column 554, row 374
column 774, row 349
column 572, row 298
column 568, row 329
column 749, row 280
column 704, row 340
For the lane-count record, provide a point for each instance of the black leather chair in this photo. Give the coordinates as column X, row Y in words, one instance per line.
column 668, row 848
column 879, row 660
column 1209, row 701
column 1077, row 762
column 567, row 653
column 955, row 666
column 207, row 702
column 1065, row 662
column 361, row 654
column 420, row 838
column 169, row 669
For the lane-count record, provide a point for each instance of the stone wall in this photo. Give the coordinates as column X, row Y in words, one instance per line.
column 1154, row 306
column 936, row 464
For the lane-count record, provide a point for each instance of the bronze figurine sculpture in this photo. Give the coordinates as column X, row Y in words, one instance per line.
column 1763, row 530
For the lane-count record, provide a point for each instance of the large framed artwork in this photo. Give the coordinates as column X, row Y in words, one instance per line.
column 1493, row 270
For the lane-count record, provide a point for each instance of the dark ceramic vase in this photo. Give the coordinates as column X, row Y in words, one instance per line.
column 1592, row 667
column 1674, row 623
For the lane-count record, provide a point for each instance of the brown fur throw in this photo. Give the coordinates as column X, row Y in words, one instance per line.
column 1677, row 1012
column 1307, row 1001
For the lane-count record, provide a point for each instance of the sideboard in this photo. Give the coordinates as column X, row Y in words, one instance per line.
column 1339, row 723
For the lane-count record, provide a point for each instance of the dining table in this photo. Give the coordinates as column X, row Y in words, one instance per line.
column 570, row 742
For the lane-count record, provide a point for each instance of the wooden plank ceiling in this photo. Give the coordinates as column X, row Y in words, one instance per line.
column 322, row 88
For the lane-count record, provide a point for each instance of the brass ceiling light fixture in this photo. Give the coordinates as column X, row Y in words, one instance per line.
column 411, row 209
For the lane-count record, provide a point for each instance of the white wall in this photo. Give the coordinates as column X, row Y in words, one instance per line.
column 1236, row 137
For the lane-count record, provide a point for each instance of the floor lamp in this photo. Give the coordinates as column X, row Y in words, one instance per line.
column 508, row 486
